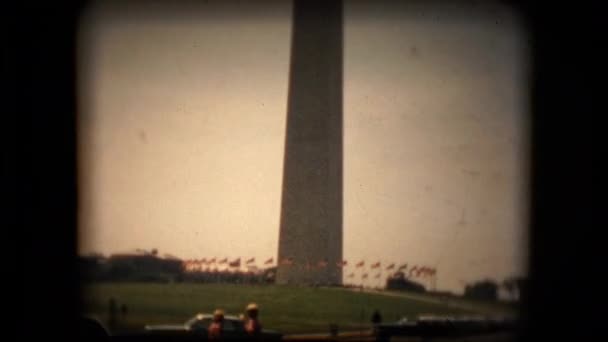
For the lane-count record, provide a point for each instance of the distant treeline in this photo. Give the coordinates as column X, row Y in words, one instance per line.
column 151, row 268
column 400, row 283
column 488, row 289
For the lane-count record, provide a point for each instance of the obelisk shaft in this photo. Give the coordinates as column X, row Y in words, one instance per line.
column 311, row 208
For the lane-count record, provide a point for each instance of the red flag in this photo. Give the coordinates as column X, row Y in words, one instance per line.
column 390, row 267
column 360, row 264
column 252, row 260
column 269, row 261
column 376, row 265
column 341, row 263
column 235, row 263
column 223, row 261
column 287, row 261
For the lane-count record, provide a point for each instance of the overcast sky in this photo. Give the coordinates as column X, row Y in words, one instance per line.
column 182, row 131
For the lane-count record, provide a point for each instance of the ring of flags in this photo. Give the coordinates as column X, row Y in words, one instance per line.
column 208, row 264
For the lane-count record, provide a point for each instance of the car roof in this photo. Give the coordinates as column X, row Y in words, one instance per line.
column 201, row 316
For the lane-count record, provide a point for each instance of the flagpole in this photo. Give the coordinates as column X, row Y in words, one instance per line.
column 362, row 306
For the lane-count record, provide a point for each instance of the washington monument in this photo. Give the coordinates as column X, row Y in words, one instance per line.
column 310, row 236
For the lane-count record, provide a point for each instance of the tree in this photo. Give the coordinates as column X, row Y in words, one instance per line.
column 509, row 284
column 515, row 286
column 399, row 282
column 484, row 290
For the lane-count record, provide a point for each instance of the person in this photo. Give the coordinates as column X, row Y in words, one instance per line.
column 376, row 318
column 252, row 325
column 216, row 327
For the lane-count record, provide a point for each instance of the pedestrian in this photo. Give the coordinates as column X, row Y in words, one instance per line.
column 216, row 327
column 376, row 318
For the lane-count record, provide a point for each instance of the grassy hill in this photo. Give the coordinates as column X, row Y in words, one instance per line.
column 283, row 308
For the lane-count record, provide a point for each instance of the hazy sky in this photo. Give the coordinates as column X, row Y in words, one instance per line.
column 182, row 131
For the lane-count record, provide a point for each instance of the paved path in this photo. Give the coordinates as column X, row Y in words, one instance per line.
column 449, row 302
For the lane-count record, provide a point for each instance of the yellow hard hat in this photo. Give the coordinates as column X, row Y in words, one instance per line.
column 252, row 306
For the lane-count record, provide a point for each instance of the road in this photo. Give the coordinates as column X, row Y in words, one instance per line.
column 453, row 303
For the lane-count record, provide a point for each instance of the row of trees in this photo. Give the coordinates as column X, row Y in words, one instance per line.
column 488, row 289
column 399, row 282
column 148, row 267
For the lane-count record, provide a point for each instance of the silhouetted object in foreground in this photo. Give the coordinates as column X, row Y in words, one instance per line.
column 483, row 290
column 197, row 328
column 92, row 330
column 333, row 330
column 444, row 327
column 123, row 309
column 112, row 311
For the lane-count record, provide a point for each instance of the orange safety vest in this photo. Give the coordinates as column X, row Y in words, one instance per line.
column 253, row 327
column 215, row 331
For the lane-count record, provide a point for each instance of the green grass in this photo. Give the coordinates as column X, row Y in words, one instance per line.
column 282, row 308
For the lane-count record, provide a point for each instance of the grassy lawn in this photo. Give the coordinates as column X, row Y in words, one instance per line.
column 282, row 308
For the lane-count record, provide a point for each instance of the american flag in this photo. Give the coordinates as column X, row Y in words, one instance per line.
column 211, row 261
column 341, row 263
column 269, row 261
column 402, row 267
column 377, row 276
column 364, row 276
column 351, row 275
column 235, row 263
column 287, row 261
column 390, row 267
column 252, row 260
column 223, row 261
column 360, row 264
column 376, row 265
column 322, row 263
column 413, row 269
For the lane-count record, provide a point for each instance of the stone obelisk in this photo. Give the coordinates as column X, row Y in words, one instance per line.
column 310, row 234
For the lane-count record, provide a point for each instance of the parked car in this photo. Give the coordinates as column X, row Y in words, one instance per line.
column 234, row 328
